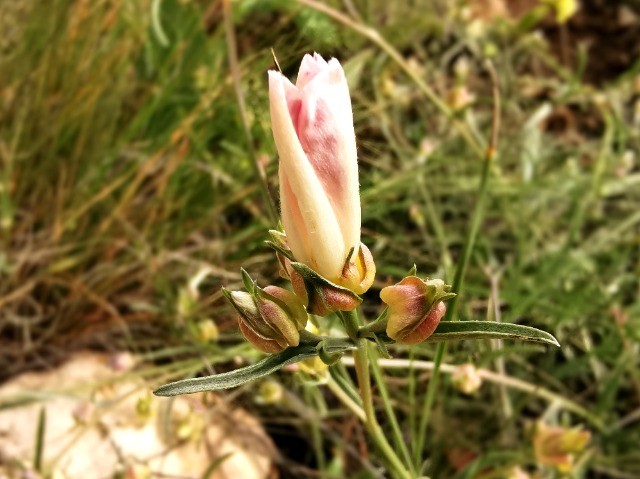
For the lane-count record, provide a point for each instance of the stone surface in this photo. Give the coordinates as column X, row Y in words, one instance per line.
column 102, row 421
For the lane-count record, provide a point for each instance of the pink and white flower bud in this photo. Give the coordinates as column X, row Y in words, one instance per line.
column 415, row 308
column 312, row 125
column 270, row 318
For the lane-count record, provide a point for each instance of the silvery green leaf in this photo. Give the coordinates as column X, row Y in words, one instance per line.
column 457, row 330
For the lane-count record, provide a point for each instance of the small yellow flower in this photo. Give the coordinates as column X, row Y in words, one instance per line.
column 565, row 9
column 557, row 446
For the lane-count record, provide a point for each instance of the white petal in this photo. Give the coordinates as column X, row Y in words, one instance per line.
column 320, row 241
column 309, row 68
column 330, row 139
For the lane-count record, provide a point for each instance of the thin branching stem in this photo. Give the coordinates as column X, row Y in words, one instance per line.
column 398, row 439
column 362, row 365
column 461, row 269
column 500, row 379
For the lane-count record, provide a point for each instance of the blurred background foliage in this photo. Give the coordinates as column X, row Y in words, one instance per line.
column 129, row 196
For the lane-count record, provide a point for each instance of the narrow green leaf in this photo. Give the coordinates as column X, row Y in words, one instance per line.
column 457, row 330
column 39, row 445
column 258, row 370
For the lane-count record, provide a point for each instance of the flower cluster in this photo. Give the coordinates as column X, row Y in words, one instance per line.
column 320, row 251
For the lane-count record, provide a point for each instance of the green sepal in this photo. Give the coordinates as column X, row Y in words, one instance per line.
column 279, row 237
column 348, row 258
column 279, row 244
column 317, row 288
column 328, row 358
column 285, row 252
column 249, row 284
column 227, row 294
column 438, row 291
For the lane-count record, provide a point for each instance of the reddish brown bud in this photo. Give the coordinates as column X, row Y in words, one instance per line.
column 322, row 296
column 269, row 318
column 415, row 308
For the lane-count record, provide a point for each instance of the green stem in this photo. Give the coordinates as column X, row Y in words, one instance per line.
column 386, row 401
column 428, row 404
column 451, row 310
column 346, row 399
column 351, row 324
column 339, row 375
column 458, row 279
column 361, row 360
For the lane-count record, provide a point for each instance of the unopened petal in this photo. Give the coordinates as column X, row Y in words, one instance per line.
column 424, row 328
column 294, row 305
column 309, row 68
column 326, row 133
column 317, row 240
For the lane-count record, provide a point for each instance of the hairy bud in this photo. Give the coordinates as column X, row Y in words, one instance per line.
column 415, row 308
column 269, row 318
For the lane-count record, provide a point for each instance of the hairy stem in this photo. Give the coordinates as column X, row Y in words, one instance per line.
column 476, row 220
column 361, row 359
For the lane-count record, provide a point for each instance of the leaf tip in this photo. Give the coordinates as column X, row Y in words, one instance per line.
column 166, row 390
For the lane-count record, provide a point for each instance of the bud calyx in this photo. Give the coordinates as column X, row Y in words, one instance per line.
column 269, row 318
column 415, row 308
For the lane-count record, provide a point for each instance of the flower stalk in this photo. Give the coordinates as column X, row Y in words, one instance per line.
column 476, row 220
column 361, row 358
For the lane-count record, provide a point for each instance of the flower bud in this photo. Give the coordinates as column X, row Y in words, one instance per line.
column 466, row 379
column 269, row 318
column 314, row 366
column 415, row 308
column 270, row 392
column 312, row 125
column 207, row 330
